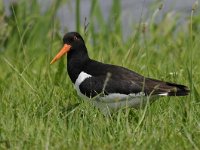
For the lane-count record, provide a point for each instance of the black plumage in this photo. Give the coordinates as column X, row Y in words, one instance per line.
column 121, row 80
column 109, row 79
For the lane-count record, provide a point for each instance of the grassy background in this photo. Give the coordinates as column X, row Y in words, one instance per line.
column 39, row 109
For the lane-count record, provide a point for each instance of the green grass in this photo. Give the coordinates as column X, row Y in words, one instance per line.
column 39, row 109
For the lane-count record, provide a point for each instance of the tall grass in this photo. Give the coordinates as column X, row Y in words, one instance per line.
column 39, row 109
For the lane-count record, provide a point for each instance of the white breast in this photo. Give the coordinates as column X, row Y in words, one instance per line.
column 115, row 101
column 81, row 77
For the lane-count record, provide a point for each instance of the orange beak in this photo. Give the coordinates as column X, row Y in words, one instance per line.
column 63, row 51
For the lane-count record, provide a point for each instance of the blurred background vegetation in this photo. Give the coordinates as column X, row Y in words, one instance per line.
column 39, row 107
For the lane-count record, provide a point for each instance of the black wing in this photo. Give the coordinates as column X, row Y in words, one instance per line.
column 115, row 79
column 103, row 84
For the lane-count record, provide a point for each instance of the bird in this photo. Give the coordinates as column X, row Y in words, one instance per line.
column 110, row 87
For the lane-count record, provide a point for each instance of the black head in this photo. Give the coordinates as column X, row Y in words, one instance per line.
column 72, row 38
column 73, row 44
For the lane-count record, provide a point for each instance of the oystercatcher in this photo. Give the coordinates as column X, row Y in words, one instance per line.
column 110, row 87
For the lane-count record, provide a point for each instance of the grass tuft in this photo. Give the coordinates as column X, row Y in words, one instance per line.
column 39, row 108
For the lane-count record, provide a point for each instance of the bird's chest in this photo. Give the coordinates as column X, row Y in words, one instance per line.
column 81, row 77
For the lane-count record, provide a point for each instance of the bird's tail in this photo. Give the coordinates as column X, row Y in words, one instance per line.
column 166, row 88
column 177, row 89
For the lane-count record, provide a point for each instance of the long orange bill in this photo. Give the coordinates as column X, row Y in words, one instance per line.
column 63, row 51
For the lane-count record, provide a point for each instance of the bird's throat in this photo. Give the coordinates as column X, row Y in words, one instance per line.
column 76, row 60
